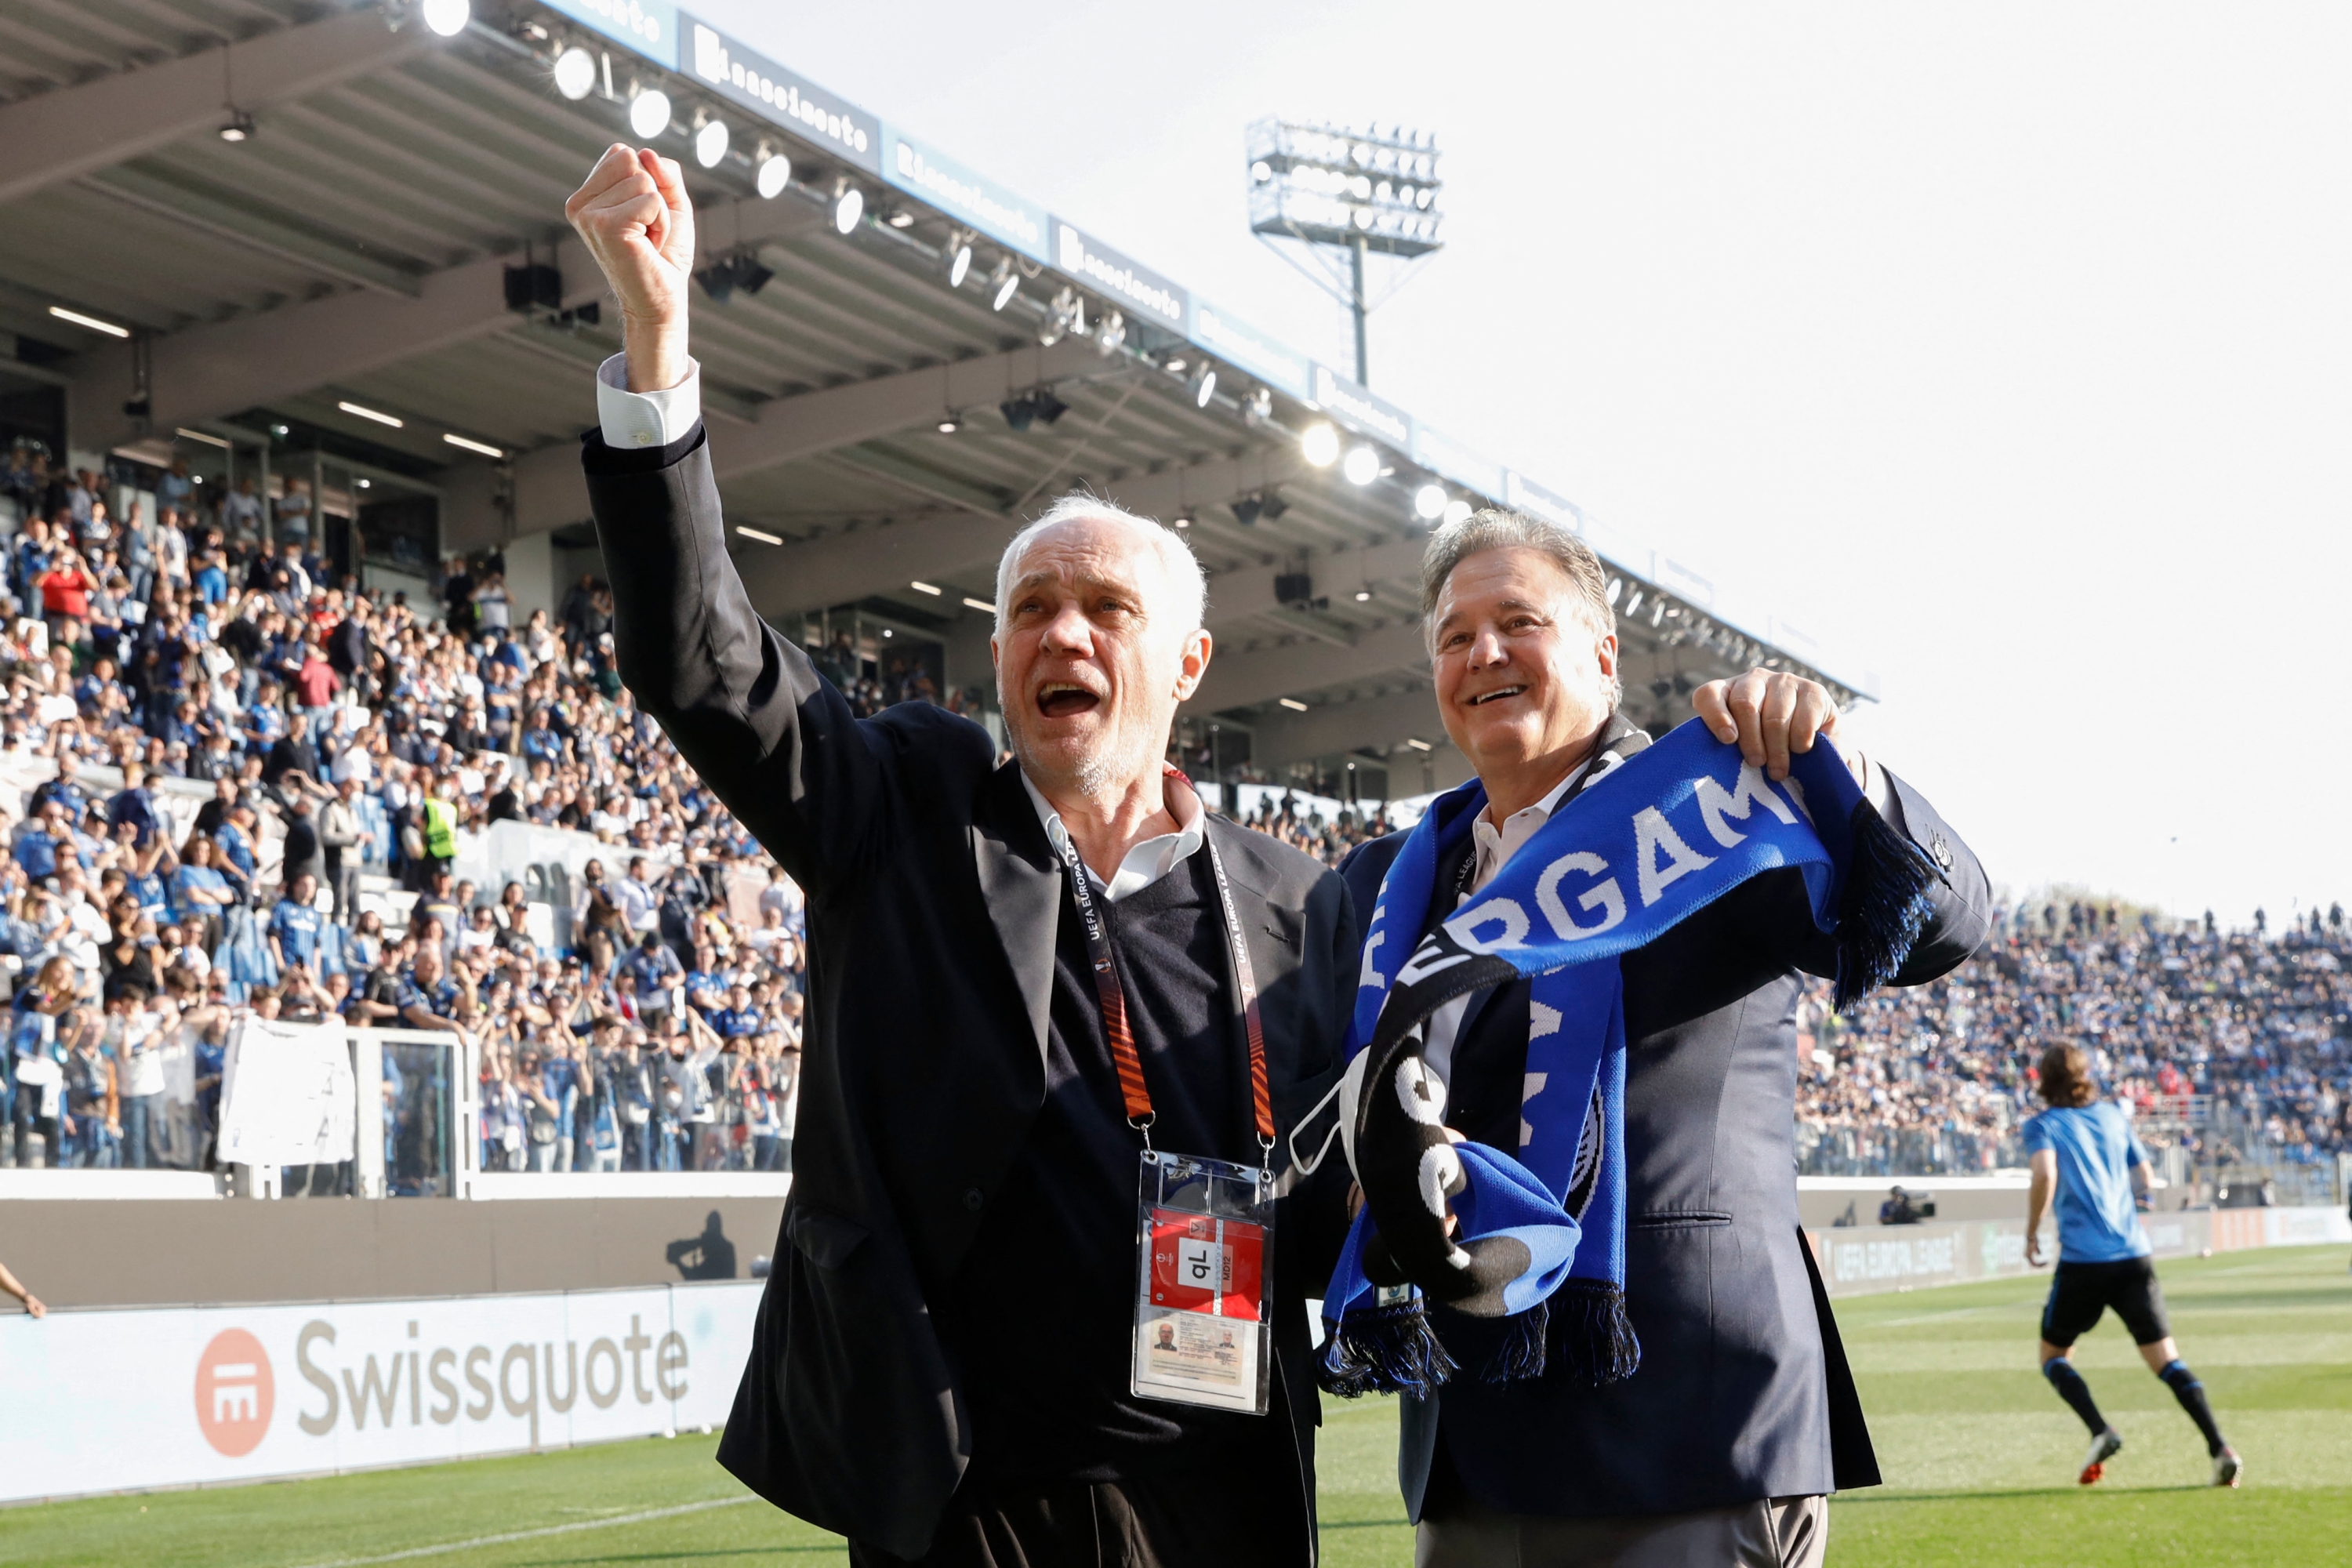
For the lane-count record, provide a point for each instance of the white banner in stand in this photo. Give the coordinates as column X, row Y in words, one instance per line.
column 115, row 1401
column 288, row 1096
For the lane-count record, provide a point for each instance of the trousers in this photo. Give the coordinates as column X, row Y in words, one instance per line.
column 1174, row 1521
column 1774, row 1532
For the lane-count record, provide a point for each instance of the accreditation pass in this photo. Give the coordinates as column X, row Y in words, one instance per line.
column 1202, row 1321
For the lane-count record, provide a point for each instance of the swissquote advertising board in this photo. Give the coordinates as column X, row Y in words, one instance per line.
column 182, row 1395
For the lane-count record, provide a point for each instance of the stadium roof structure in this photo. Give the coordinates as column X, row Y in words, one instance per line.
column 389, row 238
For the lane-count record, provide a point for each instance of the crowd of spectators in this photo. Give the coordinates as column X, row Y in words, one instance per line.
column 2229, row 1044
column 651, row 1022
column 1308, row 830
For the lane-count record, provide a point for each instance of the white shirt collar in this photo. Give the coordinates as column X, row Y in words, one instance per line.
column 1148, row 861
column 1496, row 845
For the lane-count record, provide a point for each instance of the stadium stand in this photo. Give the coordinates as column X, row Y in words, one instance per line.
column 240, row 785
column 2230, row 1047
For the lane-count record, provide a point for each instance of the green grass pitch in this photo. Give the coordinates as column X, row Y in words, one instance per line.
column 1979, row 1457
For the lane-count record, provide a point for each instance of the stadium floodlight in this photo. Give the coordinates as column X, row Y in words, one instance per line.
column 959, row 263
column 111, row 329
column 1361, row 465
column 1319, row 445
column 1459, row 512
column 1430, row 502
column 1007, row 283
column 710, row 142
column 1068, row 314
column 1368, row 191
column 848, row 207
column 1205, row 386
column 575, row 73
column 650, row 113
column 470, row 445
column 361, row 411
column 774, row 174
column 1110, row 333
column 446, row 18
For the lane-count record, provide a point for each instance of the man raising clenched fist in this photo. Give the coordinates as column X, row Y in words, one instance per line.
column 638, row 221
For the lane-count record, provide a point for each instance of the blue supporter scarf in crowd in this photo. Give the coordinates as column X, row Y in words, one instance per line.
column 1536, row 1275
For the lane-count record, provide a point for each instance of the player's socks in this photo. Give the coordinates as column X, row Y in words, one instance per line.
column 2191, row 1394
column 2074, row 1392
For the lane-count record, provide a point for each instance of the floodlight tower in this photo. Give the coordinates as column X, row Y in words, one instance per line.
column 1339, row 188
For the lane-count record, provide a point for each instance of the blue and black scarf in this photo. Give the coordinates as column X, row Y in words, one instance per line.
column 1534, row 1277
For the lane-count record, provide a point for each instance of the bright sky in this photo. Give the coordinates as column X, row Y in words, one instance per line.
column 2006, row 348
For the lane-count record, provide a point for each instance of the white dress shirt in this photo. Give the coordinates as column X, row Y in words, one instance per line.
column 1148, row 861
column 633, row 419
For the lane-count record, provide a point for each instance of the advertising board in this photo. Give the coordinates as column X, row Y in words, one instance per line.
column 190, row 1395
column 965, row 196
column 780, row 97
column 648, row 27
column 1860, row 1259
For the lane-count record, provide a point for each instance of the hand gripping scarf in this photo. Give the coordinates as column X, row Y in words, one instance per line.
column 1536, row 1275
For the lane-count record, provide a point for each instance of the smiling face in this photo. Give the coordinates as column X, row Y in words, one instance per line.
column 1092, row 656
column 1521, row 674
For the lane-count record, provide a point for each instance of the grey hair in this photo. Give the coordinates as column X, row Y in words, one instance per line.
column 1493, row 528
column 1176, row 558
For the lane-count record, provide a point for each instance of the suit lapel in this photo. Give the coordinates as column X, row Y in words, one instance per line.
column 1023, row 887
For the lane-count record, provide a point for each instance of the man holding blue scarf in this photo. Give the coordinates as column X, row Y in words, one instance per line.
column 1570, row 1093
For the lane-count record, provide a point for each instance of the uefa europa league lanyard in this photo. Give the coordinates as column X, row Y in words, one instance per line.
column 1205, row 1227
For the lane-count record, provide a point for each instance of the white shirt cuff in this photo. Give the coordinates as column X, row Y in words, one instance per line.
column 633, row 419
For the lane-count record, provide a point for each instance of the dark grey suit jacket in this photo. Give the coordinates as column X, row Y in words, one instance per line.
column 1743, row 1391
column 933, row 901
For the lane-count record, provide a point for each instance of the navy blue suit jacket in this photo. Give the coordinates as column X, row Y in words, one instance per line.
column 1743, row 1391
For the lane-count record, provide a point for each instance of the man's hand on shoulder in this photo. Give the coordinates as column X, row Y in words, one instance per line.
column 635, row 217
column 1771, row 714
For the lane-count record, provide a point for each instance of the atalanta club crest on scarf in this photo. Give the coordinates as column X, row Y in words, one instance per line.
column 1534, row 1277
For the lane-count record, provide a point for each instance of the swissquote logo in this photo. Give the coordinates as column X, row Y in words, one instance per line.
column 234, row 1392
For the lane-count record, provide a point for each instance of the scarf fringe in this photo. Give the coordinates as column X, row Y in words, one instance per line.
column 1387, row 1350
column 1523, row 1353
column 1884, row 905
column 1591, row 1338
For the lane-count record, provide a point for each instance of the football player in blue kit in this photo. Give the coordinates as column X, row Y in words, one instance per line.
column 2083, row 1149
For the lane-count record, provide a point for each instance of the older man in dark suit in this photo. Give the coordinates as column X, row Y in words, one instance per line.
column 1021, row 979
column 1722, row 1446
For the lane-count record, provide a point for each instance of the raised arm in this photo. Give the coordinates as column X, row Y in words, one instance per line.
column 742, row 704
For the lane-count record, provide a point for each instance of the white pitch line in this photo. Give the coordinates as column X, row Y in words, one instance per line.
column 450, row 1546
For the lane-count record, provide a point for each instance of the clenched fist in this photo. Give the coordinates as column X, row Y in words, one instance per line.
column 632, row 213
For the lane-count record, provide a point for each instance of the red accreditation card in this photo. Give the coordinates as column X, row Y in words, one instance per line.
column 1203, row 1264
